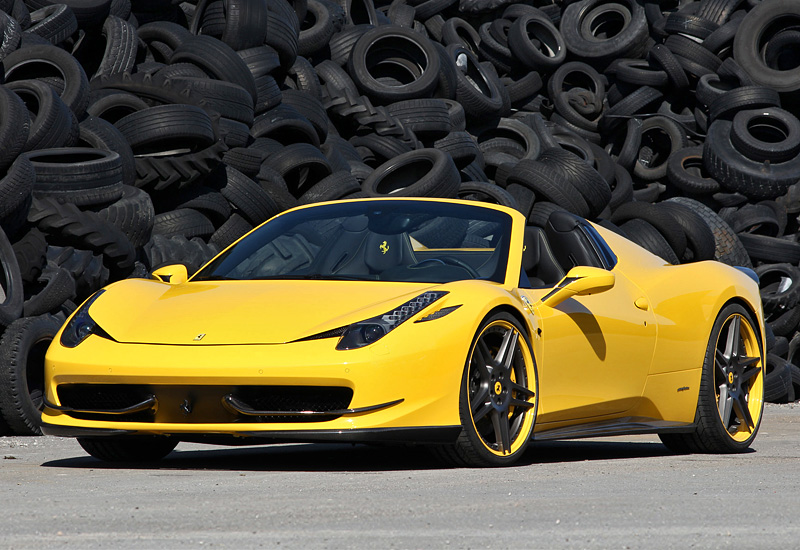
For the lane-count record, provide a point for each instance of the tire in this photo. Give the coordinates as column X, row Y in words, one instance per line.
column 685, row 170
column 777, row 379
column 97, row 133
column 663, row 221
column 161, row 251
column 31, row 253
column 55, row 23
column 218, row 60
column 11, row 306
column 577, row 92
column 732, row 429
column 133, row 214
column 82, row 176
column 477, row 89
column 159, row 173
column 648, row 237
column 301, row 165
column 230, row 231
column 770, row 249
column 87, row 269
column 37, row 61
column 249, row 198
column 581, row 175
column 779, row 285
column 185, row 222
column 582, row 26
column 726, row 105
column 52, row 124
column 496, row 431
column 700, row 243
column 167, row 128
column 15, row 191
column 766, row 134
column 661, row 138
column 548, row 183
column 245, row 23
column 22, row 350
column 15, row 126
column 420, row 173
column 65, row 223
column 133, row 449
column 748, row 47
column 728, row 247
column 58, row 287
column 753, row 179
column 486, row 192
column 535, row 41
column 226, row 98
column 334, row 187
column 409, row 59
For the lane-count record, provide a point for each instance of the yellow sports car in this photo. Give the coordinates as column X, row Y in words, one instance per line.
column 440, row 322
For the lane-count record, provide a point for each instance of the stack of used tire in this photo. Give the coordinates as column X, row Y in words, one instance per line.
column 138, row 133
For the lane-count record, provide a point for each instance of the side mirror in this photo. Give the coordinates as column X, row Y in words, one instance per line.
column 172, row 274
column 580, row 281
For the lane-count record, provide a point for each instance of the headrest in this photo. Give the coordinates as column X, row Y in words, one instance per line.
column 530, row 249
column 382, row 252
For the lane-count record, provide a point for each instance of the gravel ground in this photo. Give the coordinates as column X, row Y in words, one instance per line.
column 606, row 493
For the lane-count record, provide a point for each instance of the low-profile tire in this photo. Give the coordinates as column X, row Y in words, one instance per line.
column 498, row 397
column 22, row 350
column 731, row 399
column 128, row 449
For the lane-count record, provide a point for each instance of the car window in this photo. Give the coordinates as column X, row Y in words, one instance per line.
column 401, row 241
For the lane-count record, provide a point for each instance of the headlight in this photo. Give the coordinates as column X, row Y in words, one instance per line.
column 81, row 325
column 370, row 331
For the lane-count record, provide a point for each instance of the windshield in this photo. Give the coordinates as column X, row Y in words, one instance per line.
column 394, row 240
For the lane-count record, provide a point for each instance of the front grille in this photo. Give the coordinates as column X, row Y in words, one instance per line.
column 105, row 397
column 295, row 398
column 203, row 404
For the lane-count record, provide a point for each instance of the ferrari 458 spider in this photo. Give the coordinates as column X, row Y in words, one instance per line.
column 439, row 322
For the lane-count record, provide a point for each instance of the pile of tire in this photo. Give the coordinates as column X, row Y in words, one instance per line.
column 139, row 133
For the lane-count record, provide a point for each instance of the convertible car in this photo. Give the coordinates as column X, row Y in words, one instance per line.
column 416, row 321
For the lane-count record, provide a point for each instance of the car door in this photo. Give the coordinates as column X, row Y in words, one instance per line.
column 595, row 353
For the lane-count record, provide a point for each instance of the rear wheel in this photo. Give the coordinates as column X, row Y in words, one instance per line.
column 731, row 399
column 128, row 449
column 498, row 396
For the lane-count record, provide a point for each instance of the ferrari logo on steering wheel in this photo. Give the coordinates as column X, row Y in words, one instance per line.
column 384, row 247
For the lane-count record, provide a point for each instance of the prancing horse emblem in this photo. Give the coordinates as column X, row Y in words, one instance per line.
column 199, row 337
column 384, row 247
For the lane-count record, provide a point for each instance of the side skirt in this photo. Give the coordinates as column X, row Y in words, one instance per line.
column 620, row 426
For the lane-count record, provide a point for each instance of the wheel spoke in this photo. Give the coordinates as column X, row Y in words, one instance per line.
column 480, row 411
column 724, row 405
column 506, row 351
column 743, row 411
column 748, row 373
column 500, row 423
column 514, row 402
column 481, row 358
column 748, row 361
column 522, row 389
column 481, row 397
column 732, row 339
column 721, row 363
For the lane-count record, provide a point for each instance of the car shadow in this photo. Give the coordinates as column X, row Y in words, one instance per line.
column 360, row 458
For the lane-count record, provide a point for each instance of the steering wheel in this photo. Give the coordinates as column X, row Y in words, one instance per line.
column 449, row 260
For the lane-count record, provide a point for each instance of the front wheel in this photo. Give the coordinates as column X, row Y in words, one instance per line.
column 498, row 397
column 731, row 399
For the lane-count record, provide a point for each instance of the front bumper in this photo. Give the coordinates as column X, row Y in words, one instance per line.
column 401, row 391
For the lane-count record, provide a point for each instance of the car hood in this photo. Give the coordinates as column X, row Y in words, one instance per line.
column 240, row 312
